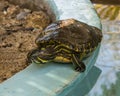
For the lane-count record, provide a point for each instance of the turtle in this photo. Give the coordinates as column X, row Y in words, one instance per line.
column 66, row 41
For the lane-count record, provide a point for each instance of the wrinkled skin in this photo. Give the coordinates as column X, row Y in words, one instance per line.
column 66, row 41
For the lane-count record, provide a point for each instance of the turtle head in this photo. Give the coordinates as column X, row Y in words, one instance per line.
column 43, row 54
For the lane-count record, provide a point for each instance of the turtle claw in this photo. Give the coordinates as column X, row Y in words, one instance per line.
column 79, row 69
column 79, row 65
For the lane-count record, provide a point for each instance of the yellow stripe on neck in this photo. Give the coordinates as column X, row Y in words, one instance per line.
column 43, row 61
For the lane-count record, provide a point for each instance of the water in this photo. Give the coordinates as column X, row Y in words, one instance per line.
column 108, row 61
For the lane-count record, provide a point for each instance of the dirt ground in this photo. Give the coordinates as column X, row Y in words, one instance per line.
column 18, row 29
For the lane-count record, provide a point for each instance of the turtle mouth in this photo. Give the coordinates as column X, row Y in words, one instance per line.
column 32, row 55
column 33, row 60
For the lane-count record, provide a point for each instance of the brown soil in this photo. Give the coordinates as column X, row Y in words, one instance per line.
column 18, row 29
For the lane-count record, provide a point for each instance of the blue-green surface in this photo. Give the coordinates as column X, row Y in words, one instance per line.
column 81, row 10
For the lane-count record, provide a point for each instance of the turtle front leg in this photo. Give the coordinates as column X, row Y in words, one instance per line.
column 79, row 65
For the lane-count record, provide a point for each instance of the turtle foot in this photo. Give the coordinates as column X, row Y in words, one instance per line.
column 79, row 69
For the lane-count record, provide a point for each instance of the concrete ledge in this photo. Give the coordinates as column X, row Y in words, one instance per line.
column 49, row 83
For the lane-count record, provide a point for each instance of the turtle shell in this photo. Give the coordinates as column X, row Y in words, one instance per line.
column 72, row 35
